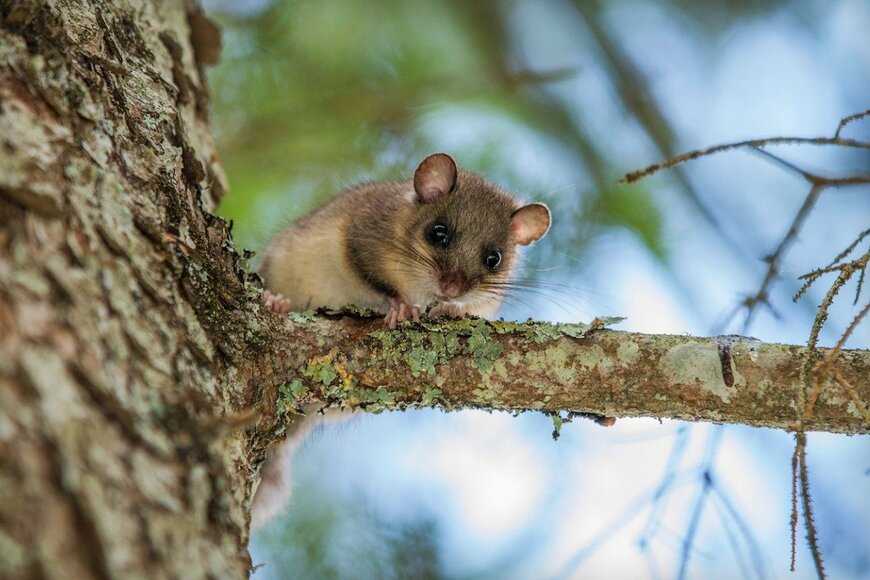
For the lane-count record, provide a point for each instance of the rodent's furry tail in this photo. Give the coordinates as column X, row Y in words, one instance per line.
column 273, row 494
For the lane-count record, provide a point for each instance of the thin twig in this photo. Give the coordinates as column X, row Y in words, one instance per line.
column 809, row 519
column 848, row 332
column 846, row 120
column 859, row 404
column 822, row 368
column 815, row 178
column 707, row 478
column 859, row 264
column 633, row 90
column 732, row 540
column 693, row 526
column 842, row 255
column 743, row 528
column 690, row 155
column 812, row 342
column 794, row 505
column 773, row 260
column 860, row 285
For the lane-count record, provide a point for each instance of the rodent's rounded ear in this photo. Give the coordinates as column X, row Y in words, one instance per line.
column 435, row 177
column 530, row 223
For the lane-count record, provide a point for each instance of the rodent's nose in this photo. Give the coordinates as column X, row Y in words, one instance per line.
column 452, row 284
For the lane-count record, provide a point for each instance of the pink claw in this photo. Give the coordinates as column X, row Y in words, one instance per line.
column 401, row 311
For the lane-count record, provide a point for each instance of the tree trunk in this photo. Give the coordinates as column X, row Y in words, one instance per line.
column 140, row 381
column 115, row 291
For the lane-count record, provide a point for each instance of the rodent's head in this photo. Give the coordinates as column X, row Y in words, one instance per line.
column 464, row 233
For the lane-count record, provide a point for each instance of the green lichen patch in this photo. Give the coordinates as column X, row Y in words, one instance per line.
column 355, row 311
column 628, row 352
column 600, row 322
column 540, row 332
column 372, row 400
column 330, row 371
column 574, row 330
column 580, row 330
column 302, row 317
column 555, row 359
column 536, row 332
column 438, row 343
column 421, row 360
column 557, row 425
column 432, row 396
column 698, row 364
column 590, row 357
column 483, row 349
column 435, row 342
column 484, row 394
column 322, row 372
column 290, row 393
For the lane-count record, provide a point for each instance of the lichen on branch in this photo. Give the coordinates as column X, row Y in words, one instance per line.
column 350, row 360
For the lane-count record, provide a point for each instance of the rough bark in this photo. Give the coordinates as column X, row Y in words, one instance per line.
column 113, row 281
column 536, row 366
column 140, row 381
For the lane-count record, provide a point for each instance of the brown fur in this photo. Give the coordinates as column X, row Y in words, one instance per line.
column 369, row 244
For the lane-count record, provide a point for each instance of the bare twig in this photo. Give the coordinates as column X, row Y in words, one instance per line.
column 755, row 143
column 752, row 545
column 842, row 255
column 815, row 178
column 846, row 120
column 812, row 368
column 809, row 519
column 824, row 368
column 693, row 525
column 818, row 182
column 633, row 90
column 794, row 507
column 811, row 356
column 859, row 404
column 859, row 265
column 773, row 260
column 661, row 493
column 848, row 332
column 706, row 487
column 821, row 369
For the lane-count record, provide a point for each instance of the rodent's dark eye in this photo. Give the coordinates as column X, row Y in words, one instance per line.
column 439, row 235
column 492, row 259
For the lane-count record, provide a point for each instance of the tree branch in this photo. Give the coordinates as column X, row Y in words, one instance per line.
column 353, row 361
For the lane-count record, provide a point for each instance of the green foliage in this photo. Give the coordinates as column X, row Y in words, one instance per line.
column 632, row 207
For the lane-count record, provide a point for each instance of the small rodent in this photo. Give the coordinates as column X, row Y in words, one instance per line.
column 446, row 237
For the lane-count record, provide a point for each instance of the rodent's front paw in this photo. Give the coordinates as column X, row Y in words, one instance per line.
column 401, row 311
column 276, row 303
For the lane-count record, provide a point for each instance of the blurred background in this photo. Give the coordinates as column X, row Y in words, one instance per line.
column 556, row 101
